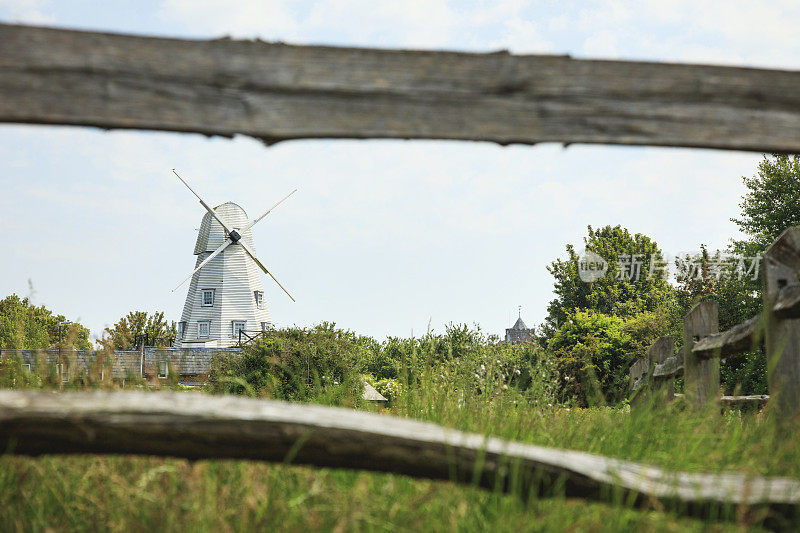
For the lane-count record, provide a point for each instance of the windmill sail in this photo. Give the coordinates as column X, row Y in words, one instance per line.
column 225, row 294
column 233, row 280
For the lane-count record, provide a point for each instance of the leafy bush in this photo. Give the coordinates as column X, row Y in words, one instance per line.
column 328, row 365
column 391, row 389
column 593, row 353
column 322, row 363
column 13, row 375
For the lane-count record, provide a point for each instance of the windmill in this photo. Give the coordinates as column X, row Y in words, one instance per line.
column 225, row 293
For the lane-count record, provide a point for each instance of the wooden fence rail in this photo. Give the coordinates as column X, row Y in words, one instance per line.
column 740, row 338
column 777, row 328
column 199, row 426
column 672, row 366
column 274, row 92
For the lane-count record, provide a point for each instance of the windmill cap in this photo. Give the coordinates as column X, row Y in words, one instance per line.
column 211, row 235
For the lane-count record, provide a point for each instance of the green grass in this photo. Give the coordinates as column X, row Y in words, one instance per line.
column 138, row 494
column 89, row 493
column 673, row 438
column 135, row 493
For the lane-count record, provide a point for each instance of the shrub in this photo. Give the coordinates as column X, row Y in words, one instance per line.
column 322, row 363
column 593, row 353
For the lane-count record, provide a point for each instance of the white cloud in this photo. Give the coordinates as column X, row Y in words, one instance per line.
column 38, row 12
column 731, row 32
column 419, row 23
column 409, row 23
column 523, row 37
column 602, row 44
column 269, row 19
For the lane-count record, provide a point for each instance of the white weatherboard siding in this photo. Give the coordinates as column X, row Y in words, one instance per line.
column 233, row 276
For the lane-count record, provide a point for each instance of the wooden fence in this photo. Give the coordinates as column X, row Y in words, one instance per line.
column 197, row 426
column 777, row 329
column 276, row 92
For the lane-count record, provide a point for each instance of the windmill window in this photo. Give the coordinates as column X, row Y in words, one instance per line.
column 163, row 370
column 208, row 297
column 259, row 295
column 181, row 329
column 203, row 329
column 237, row 326
column 265, row 326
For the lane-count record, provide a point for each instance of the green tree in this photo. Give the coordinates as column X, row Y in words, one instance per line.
column 647, row 327
column 618, row 292
column 771, row 203
column 26, row 326
column 139, row 326
column 707, row 276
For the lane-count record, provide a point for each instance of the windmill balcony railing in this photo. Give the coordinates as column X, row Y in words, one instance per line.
column 246, row 337
column 141, row 341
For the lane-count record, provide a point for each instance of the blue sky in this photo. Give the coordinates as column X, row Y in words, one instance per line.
column 383, row 237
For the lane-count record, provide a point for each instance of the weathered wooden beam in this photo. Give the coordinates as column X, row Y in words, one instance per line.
column 740, row 338
column 672, row 366
column 662, row 389
column 275, row 92
column 637, row 370
column 787, row 303
column 198, row 426
column 639, row 389
column 701, row 376
column 756, row 399
column 786, row 249
column 782, row 337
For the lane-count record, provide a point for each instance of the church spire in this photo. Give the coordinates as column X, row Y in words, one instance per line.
column 519, row 332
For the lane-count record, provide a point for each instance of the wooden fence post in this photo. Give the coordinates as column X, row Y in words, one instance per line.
column 638, row 372
column 701, row 375
column 782, row 337
column 662, row 389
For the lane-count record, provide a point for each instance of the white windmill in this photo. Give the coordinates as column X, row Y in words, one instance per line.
column 226, row 294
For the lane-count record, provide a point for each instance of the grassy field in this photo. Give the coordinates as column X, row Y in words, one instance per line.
column 135, row 493
column 89, row 493
column 138, row 494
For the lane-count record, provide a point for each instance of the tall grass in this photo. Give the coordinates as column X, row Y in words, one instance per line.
column 144, row 494
column 455, row 380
